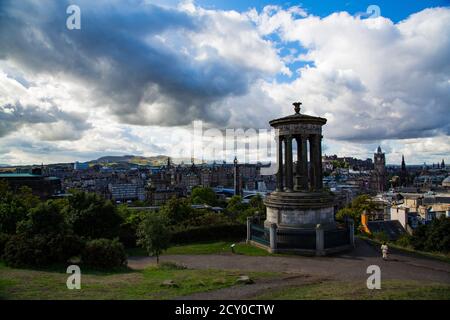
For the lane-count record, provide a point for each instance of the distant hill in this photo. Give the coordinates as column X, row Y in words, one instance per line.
column 139, row 160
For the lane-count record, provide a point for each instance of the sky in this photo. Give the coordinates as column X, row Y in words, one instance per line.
column 138, row 74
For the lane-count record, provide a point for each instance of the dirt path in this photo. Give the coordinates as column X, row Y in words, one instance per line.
column 347, row 266
column 245, row 292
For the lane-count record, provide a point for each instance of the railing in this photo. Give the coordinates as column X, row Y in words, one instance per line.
column 259, row 234
column 296, row 240
column 336, row 238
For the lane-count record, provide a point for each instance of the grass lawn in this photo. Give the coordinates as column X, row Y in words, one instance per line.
column 145, row 284
column 207, row 248
column 390, row 289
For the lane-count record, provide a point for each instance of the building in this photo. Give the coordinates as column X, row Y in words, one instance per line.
column 43, row 187
column 127, row 192
column 80, row 165
column 404, row 178
column 379, row 176
column 392, row 228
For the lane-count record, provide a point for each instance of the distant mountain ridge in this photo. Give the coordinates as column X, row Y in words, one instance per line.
column 140, row 160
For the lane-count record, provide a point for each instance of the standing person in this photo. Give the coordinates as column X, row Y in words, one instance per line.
column 384, row 250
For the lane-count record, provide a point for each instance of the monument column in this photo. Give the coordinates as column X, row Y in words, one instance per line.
column 301, row 178
column 304, row 163
column 280, row 164
column 319, row 162
column 288, row 155
column 312, row 162
column 298, row 168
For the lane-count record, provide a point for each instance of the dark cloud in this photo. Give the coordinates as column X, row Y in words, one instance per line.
column 118, row 55
column 13, row 117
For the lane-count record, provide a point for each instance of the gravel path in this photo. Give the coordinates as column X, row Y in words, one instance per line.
column 346, row 266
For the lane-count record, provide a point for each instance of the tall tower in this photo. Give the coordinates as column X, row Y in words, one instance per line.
column 380, row 170
column 403, row 173
column 237, row 185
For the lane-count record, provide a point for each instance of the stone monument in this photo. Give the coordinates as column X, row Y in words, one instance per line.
column 300, row 206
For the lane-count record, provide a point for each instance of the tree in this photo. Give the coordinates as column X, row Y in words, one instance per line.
column 93, row 217
column 235, row 207
column 201, row 195
column 257, row 203
column 433, row 237
column 176, row 210
column 154, row 234
column 46, row 219
column 14, row 206
column 356, row 208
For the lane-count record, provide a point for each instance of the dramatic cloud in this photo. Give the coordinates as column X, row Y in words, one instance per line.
column 137, row 74
column 147, row 64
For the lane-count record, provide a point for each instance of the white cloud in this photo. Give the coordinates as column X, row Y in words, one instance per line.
column 373, row 78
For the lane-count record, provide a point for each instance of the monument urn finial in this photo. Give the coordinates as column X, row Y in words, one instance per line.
column 297, row 107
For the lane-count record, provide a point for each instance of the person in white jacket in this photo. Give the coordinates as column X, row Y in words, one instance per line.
column 384, row 250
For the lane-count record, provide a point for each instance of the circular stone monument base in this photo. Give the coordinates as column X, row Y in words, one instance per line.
column 300, row 210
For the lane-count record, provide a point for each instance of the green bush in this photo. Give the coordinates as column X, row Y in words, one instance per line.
column 404, row 240
column 40, row 250
column 104, row 254
column 127, row 235
column 4, row 238
column 209, row 233
column 380, row 236
column 433, row 237
column 206, row 218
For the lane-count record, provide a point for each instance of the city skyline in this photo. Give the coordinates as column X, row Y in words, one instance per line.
column 137, row 75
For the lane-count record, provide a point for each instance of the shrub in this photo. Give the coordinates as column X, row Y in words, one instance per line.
column 4, row 238
column 209, row 233
column 127, row 235
column 433, row 237
column 206, row 218
column 104, row 254
column 404, row 240
column 40, row 250
column 380, row 236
